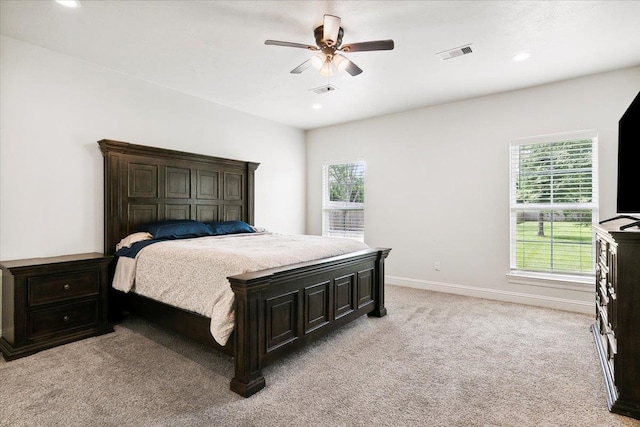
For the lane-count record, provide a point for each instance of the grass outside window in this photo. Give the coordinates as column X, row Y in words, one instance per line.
column 566, row 246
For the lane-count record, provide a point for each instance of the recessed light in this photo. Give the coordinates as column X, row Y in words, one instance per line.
column 69, row 3
column 522, row 56
column 316, row 107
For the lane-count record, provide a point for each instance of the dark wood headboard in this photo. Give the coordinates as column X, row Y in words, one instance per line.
column 145, row 184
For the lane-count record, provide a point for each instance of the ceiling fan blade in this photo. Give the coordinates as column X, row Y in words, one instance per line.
column 331, row 25
column 290, row 44
column 353, row 69
column 300, row 68
column 367, row 46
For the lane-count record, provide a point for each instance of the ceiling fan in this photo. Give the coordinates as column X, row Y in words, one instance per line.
column 329, row 42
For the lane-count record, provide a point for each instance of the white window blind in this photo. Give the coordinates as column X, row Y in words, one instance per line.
column 554, row 202
column 343, row 200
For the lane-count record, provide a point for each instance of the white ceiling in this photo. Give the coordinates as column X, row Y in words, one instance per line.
column 215, row 49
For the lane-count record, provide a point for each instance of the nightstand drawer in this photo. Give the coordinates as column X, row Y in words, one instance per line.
column 61, row 318
column 60, row 287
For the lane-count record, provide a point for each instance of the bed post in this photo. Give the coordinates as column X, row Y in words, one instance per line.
column 248, row 378
column 112, row 196
column 380, row 310
column 251, row 187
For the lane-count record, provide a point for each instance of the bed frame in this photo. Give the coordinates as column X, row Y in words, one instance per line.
column 276, row 311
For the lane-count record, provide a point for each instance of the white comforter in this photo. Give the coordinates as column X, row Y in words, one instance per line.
column 192, row 274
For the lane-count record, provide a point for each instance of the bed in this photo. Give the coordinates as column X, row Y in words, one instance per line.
column 276, row 310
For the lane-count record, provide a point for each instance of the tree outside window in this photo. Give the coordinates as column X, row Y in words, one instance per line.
column 343, row 200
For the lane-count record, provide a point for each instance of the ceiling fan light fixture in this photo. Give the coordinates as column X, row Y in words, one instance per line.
column 317, row 61
column 327, row 69
column 340, row 62
column 329, row 42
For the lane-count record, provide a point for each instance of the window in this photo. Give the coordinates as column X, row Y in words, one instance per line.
column 554, row 202
column 343, row 200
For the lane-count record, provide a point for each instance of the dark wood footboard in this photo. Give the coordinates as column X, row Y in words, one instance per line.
column 281, row 309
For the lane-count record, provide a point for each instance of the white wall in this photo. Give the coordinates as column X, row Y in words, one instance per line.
column 437, row 180
column 53, row 110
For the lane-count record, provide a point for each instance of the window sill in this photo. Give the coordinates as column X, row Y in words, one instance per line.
column 557, row 281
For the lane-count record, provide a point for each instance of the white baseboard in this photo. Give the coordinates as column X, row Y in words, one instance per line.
column 495, row 294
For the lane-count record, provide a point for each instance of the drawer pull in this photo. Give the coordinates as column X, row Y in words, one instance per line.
column 65, row 318
column 66, row 286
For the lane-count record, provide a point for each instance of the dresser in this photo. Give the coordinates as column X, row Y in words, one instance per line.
column 617, row 328
column 47, row 302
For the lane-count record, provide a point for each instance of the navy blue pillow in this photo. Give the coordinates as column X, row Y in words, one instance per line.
column 230, row 227
column 177, row 229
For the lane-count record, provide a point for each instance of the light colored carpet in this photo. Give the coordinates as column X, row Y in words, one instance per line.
column 435, row 360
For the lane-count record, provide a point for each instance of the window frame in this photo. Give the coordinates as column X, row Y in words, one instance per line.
column 328, row 205
column 549, row 278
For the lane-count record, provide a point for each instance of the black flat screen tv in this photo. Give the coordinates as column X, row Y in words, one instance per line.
column 629, row 160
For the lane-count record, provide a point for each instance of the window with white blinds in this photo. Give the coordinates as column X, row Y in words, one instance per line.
column 343, row 200
column 554, row 202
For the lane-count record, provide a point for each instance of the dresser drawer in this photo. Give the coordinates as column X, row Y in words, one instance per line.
column 602, row 255
column 61, row 318
column 602, row 297
column 60, row 287
column 603, row 320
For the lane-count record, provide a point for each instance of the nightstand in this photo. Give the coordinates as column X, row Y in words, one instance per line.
column 47, row 302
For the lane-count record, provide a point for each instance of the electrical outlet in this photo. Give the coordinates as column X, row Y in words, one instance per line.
column 437, row 265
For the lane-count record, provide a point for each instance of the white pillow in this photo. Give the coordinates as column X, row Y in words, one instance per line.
column 133, row 238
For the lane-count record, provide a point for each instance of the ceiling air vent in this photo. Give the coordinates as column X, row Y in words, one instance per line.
column 324, row 89
column 459, row 51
